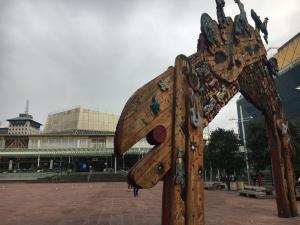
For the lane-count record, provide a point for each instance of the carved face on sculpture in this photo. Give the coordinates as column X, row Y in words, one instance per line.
column 203, row 70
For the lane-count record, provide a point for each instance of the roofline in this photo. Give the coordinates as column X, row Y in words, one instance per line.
column 79, row 107
column 289, row 41
column 56, row 135
column 289, row 67
column 14, row 119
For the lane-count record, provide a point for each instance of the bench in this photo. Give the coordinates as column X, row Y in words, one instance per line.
column 255, row 192
column 214, row 185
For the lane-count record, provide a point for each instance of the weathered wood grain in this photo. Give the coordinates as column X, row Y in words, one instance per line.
column 147, row 173
column 177, row 201
column 259, row 88
column 138, row 119
column 194, row 167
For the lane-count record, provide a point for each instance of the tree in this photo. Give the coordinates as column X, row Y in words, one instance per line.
column 257, row 145
column 223, row 152
column 208, row 158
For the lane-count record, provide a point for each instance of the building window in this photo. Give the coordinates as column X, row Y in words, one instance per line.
column 98, row 142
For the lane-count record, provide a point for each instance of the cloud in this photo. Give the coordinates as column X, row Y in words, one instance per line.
column 60, row 53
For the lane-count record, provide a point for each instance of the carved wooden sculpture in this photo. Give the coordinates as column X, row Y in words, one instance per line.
column 172, row 110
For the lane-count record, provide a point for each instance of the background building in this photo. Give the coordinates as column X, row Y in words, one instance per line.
column 72, row 140
column 3, row 130
column 23, row 124
column 80, row 119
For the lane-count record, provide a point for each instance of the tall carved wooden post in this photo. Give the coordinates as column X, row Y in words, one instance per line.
column 183, row 185
column 172, row 110
column 169, row 112
column 259, row 88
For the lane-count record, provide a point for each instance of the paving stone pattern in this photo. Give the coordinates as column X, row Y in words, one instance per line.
column 114, row 204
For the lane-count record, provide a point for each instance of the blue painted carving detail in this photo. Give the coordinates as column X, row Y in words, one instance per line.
column 207, row 29
column 262, row 26
column 220, row 13
column 241, row 25
column 155, row 107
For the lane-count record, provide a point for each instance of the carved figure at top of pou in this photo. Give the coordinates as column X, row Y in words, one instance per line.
column 240, row 21
column 220, row 13
column 259, row 25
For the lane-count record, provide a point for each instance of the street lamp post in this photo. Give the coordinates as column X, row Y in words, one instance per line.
column 245, row 148
column 244, row 140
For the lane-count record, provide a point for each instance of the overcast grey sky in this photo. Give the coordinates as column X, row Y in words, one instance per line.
column 63, row 53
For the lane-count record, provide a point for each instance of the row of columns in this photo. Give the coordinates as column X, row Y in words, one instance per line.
column 10, row 164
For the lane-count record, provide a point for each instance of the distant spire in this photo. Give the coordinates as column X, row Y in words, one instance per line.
column 27, row 107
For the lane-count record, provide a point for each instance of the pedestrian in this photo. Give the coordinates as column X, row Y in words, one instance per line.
column 90, row 173
column 254, row 180
column 135, row 192
column 260, row 180
column 129, row 187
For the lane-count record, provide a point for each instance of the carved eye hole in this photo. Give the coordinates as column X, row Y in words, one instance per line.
column 157, row 135
column 220, row 57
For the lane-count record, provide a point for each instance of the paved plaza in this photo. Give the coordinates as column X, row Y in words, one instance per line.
column 113, row 204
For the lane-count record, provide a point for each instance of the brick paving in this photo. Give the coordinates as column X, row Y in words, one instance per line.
column 113, row 204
